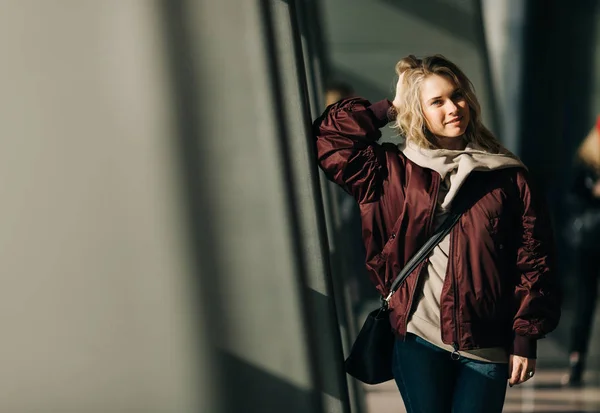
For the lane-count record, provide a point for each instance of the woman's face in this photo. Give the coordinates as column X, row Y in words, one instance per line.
column 445, row 108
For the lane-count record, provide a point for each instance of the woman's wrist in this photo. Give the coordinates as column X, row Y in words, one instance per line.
column 524, row 347
column 381, row 111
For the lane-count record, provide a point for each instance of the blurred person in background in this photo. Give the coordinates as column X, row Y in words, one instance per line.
column 337, row 91
column 467, row 320
column 583, row 234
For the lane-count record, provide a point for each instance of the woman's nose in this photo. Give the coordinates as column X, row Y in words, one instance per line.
column 452, row 107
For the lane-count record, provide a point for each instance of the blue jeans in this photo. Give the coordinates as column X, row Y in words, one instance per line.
column 431, row 382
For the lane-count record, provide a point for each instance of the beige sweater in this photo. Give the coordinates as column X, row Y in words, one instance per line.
column 454, row 167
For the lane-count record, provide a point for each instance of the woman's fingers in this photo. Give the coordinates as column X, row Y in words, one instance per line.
column 528, row 370
column 399, row 87
column 525, row 372
column 521, row 369
column 515, row 370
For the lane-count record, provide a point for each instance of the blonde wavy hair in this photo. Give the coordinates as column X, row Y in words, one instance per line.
column 410, row 120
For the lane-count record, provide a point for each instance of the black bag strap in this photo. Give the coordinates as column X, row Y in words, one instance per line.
column 425, row 250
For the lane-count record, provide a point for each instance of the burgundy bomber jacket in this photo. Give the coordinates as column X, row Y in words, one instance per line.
column 500, row 288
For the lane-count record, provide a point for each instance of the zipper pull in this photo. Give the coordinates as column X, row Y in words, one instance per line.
column 455, row 354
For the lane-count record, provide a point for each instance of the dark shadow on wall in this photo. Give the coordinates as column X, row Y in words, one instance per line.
column 323, row 304
column 251, row 389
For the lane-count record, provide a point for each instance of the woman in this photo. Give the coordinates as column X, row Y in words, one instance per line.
column 469, row 317
column 584, row 236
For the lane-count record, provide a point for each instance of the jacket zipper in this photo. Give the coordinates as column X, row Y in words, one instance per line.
column 455, row 354
column 420, row 268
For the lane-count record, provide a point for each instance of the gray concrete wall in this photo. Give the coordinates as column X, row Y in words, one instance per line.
column 95, row 308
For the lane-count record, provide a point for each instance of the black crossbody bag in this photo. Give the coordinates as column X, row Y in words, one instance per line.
column 370, row 359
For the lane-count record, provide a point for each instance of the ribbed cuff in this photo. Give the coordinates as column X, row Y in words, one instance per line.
column 381, row 111
column 525, row 347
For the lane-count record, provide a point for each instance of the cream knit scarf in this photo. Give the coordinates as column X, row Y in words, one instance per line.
column 458, row 163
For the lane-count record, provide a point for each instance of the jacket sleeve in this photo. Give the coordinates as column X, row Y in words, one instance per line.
column 346, row 136
column 537, row 296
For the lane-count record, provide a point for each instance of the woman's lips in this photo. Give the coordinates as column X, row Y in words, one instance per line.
column 454, row 121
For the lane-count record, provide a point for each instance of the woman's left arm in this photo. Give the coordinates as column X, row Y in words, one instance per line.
column 537, row 295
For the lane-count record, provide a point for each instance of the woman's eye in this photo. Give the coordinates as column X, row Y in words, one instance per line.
column 436, row 102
